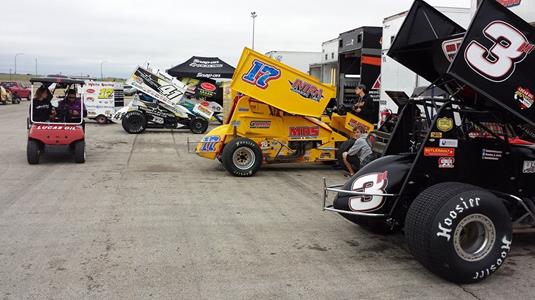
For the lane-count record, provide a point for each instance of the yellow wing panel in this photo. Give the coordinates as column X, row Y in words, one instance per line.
column 280, row 86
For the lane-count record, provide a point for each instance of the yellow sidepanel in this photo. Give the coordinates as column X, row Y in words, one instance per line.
column 280, row 86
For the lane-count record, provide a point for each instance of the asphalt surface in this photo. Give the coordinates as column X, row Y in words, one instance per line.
column 144, row 218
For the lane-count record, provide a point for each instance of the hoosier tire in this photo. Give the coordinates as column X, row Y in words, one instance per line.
column 242, row 157
column 33, row 152
column 134, row 122
column 79, row 152
column 198, row 125
column 459, row 232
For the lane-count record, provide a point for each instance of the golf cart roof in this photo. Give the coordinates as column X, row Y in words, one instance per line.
column 57, row 80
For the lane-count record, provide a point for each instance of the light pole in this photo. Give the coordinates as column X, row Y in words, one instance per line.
column 101, row 76
column 253, row 15
column 36, row 66
column 16, row 61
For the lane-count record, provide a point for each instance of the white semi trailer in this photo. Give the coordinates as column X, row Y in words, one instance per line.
column 394, row 76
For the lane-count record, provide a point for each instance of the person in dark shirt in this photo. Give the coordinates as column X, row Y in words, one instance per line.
column 365, row 107
column 42, row 108
column 71, row 109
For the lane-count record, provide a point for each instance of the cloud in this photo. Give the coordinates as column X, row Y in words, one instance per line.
column 73, row 37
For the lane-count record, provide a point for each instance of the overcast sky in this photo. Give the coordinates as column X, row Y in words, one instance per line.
column 73, row 36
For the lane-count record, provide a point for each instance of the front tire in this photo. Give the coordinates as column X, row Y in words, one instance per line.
column 33, row 152
column 242, row 157
column 101, row 119
column 458, row 231
column 134, row 122
column 79, row 152
column 198, row 125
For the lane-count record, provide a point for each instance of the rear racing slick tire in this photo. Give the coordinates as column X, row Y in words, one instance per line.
column 198, row 125
column 79, row 152
column 242, row 157
column 344, row 147
column 33, row 152
column 458, row 231
column 134, row 122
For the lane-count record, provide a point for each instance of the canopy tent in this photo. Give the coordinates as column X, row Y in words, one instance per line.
column 202, row 67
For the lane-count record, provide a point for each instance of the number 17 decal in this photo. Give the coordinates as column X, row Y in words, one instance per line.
column 499, row 62
column 260, row 74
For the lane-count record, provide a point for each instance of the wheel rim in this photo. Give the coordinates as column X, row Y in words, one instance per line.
column 474, row 237
column 243, row 158
column 198, row 125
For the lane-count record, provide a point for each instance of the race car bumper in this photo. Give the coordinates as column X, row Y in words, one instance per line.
column 338, row 189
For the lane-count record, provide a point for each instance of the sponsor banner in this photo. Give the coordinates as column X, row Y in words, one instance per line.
column 491, row 154
column 446, row 163
column 449, row 143
column 529, row 167
column 440, row 152
column 304, row 132
column 260, row 124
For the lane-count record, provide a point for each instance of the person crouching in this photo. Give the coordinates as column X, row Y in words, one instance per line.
column 360, row 153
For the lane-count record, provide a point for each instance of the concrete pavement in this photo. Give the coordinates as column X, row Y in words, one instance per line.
column 143, row 218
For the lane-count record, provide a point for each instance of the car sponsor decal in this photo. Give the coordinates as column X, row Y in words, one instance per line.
column 436, row 135
column 304, row 132
column 449, row 143
column 445, row 124
column 260, row 124
column 243, row 109
column 306, row 90
column 491, row 154
column 509, row 3
column 524, row 97
column 440, row 152
column 451, row 47
column 529, row 167
column 446, row 163
column 55, row 127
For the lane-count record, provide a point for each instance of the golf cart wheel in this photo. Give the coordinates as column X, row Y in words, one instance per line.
column 4, row 102
column 134, row 122
column 242, row 157
column 459, row 232
column 198, row 125
column 79, row 152
column 101, row 119
column 16, row 100
column 33, row 152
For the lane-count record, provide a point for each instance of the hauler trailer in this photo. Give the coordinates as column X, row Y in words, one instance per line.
column 457, row 174
column 359, row 62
